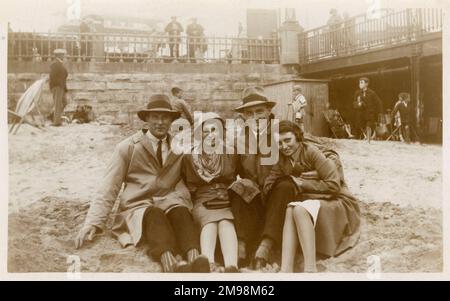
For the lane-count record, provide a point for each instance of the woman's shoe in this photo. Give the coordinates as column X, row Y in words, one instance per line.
column 231, row 269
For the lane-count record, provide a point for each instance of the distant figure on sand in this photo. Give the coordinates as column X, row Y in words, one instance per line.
column 58, row 87
column 299, row 104
column 367, row 107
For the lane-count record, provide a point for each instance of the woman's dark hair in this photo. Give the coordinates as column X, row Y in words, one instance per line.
column 286, row 126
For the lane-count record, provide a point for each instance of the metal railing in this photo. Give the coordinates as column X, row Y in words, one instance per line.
column 140, row 48
column 362, row 33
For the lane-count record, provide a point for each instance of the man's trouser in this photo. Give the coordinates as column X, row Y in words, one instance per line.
column 248, row 220
column 282, row 193
column 59, row 98
column 174, row 231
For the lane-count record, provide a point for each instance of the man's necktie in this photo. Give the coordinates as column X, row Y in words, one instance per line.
column 159, row 153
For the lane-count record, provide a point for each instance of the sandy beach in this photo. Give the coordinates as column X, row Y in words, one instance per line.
column 54, row 174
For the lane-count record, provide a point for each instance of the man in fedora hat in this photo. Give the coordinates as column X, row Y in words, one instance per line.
column 58, row 87
column 248, row 208
column 260, row 218
column 155, row 205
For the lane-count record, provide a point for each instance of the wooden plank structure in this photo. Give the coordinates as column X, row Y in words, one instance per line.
column 316, row 94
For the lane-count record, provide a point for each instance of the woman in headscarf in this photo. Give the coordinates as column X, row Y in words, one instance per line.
column 322, row 215
column 208, row 172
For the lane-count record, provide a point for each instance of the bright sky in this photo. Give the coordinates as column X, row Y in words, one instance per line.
column 219, row 17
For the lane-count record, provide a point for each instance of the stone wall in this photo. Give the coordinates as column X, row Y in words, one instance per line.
column 117, row 90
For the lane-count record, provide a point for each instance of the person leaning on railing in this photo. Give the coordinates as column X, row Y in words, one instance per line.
column 57, row 82
column 333, row 26
column 174, row 30
column 195, row 34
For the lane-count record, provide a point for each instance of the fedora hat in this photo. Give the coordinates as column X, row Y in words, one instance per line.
column 158, row 103
column 253, row 96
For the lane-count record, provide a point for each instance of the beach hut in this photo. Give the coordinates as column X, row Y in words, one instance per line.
column 316, row 94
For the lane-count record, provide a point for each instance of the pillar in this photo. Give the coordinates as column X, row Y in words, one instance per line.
column 289, row 43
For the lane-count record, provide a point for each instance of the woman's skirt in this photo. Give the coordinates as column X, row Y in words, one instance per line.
column 204, row 214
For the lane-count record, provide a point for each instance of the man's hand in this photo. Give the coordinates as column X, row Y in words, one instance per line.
column 87, row 232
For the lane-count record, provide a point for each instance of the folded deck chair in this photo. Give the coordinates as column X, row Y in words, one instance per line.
column 25, row 105
column 335, row 123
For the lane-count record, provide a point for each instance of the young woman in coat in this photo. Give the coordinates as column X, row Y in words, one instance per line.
column 208, row 172
column 322, row 215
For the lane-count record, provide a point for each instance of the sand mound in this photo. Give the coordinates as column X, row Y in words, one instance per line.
column 41, row 239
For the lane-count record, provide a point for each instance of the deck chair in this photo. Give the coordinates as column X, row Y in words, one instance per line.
column 396, row 133
column 335, row 123
column 25, row 106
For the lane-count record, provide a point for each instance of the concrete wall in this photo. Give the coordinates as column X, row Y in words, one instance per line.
column 117, row 90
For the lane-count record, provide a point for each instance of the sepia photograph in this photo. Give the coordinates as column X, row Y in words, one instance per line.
column 189, row 136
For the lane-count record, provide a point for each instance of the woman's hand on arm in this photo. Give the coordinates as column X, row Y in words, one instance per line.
column 328, row 176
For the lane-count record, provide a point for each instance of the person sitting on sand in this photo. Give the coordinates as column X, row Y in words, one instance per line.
column 208, row 172
column 258, row 220
column 155, row 203
column 321, row 214
column 83, row 114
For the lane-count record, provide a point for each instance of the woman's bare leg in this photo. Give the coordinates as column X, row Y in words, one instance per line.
column 228, row 243
column 307, row 237
column 289, row 243
column 208, row 238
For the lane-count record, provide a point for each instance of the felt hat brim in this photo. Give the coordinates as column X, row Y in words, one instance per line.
column 249, row 104
column 142, row 114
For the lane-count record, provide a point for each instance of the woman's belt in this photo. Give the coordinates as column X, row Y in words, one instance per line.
column 213, row 196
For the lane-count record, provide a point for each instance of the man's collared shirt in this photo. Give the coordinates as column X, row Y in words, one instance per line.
column 164, row 146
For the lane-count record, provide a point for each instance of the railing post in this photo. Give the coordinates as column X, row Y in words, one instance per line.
column 134, row 50
column 20, row 46
column 275, row 48
column 49, row 58
column 35, row 54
